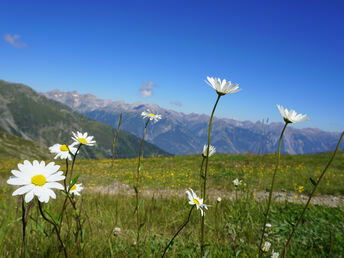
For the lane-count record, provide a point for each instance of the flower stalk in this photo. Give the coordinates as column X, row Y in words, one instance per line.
column 69, row 197
column 201, row 176
column 67, row 189
column 55, row 227
column 216, row 218
column 115, row 140
column 272, row 187
column 73, row 162
column 24, row 222
column 138, row 225
column 310, row 197
column 204, row 192
column 179, row 230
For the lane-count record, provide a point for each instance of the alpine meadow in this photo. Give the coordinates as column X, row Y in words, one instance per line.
column 191, row 129
column 156, row 205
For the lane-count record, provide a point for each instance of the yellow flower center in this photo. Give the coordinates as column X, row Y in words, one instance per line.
column 73, row 188
column 196, row 201
column 64, row 147
column 82, row 140
column 151, row 114
column 38, row 180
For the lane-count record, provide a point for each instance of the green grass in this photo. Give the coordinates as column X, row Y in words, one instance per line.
column 182, row 172
column 235, row 232
column 12, row 147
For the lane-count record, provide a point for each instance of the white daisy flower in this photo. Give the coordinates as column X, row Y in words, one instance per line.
column 195, row 200
column 62, row 151
column 116, row 231
column 36, row 179
column 268, row 225
column 274, row 254
column 291, row 116
column 76, row 189
column 266, row 246
column 218, row 199
column 237, row 182
column 83, row 139
column 222, row 87
column 212, row 150
column 151, row 116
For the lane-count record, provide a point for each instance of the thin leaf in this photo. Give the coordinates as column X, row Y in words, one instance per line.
column 312, row 181
column 206, row 254
column 52, row 216
column 141, row 225
column 138, row 206
column 74, row 180
column 39, row 227
column 110, row 247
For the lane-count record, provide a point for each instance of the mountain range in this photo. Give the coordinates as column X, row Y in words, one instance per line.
column 181, row 133
column 31, row 116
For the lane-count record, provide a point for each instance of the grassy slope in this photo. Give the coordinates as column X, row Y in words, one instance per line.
column 48, row 122
column 16, row 147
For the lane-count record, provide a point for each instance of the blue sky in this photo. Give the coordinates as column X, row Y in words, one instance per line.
column 279, row 52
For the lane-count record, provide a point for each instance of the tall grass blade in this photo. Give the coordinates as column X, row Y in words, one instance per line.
column 115, row 140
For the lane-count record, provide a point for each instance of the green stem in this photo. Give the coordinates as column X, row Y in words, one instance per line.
column 216, row 225
column 69, row 181
column 137, row 191
column 200, row 176
column 330, row 248
column 66, row 191
column 77, row 219
column 206, row 173
column 55, row 227
column 310, row 197
column 115, row 141
column 24, row 228
column 271, row 189
column 65, row 180
column 73, row 162
column 77, row 216
column 180, row 229
column 236, row 193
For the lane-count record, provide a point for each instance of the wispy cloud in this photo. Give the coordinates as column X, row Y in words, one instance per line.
column 146, row 89
column 176, row 103
column 12, row 39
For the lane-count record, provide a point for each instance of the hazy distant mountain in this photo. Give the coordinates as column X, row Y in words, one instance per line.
column 187, row 133
column 29, row 115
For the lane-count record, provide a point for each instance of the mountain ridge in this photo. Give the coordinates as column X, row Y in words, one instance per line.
column 182, row 133
column 32, row 116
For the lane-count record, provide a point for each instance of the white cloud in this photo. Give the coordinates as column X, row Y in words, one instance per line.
column 176, row 103
column 146, row 89
column 12, row 39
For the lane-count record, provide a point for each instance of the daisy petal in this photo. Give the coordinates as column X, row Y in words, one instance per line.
column 22, row 190
column 29, row 196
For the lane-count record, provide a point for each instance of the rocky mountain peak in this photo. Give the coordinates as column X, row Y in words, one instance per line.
column 182, row 133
